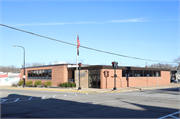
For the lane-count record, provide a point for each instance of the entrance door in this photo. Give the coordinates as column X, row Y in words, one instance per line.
column 94, row 79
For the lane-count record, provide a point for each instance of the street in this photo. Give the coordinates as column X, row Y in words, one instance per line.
column 157, row 103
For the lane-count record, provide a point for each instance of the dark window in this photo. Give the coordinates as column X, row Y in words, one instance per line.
column 43, row 74
column 33, row 76
column 36, row 74
column 135, row 73
column 149, row 73
column 154, row 73
column 40, row 74
column 131, row 73
column 141, row 73
column 49, row 74
column 123, row 73
column 46, row 74
column 159, row 73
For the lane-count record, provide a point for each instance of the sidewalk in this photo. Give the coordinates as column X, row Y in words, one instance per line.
column 94, row 90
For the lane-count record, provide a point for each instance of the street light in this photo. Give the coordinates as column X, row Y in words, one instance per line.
column 24, row 63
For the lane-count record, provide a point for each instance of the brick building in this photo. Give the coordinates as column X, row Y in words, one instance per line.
column 98, row 76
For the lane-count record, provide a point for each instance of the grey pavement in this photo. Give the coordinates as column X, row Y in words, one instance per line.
column 156, row 103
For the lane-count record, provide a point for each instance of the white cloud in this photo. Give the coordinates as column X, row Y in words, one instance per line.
column 129, row 20
column 90, row 22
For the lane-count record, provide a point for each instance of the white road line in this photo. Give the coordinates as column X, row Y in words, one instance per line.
column 169, row 115
column 53, row 96
column 30, row 98
column 16, row 100
column 44, row 96
column 86, row 93
column 65, row 95
column 3, row 100
column 174, row 117
column 75, row 94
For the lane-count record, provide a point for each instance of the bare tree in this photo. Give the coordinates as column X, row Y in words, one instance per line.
column 178, row 59
column 10, row 68
column 34, row 64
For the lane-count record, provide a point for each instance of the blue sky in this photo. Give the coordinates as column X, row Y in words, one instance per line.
column 144, row 29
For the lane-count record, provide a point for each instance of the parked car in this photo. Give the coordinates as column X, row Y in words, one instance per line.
column 173, row 81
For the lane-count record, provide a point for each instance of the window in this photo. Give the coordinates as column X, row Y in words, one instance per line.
column 43, row 74
column 123, row 73
column 49, row 74
column 29, row 74
column 33, row 75
column 141, row 73
column 46, row 74
column 36, row 74
column 154, row 73
column 39, row 74
column 131, row 72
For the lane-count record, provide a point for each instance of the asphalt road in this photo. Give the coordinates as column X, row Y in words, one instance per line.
column 159, row 103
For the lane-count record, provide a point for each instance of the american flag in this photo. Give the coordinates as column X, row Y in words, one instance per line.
column 78, row 44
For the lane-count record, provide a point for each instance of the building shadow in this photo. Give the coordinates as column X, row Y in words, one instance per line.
column 38, row 107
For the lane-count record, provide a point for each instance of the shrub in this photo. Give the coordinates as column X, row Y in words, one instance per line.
column 48, row 83
column 68, row 84
column 36, row 83
column 63, row 85
column 20, row 83
column 28, row 83
column 73, row 85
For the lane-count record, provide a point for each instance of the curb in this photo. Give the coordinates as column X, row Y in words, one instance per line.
column 94, row 92
column 79, row 91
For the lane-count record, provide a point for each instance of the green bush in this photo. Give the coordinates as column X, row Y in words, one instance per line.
column 29, row 83
column 63, row 85
column 73, row 85
column 48, row 83
column 68, row 84
column 20, row 83
column 36, row 83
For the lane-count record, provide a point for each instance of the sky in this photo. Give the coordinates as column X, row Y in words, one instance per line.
column 137, row 28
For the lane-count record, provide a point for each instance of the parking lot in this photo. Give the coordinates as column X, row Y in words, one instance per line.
column 159, row 103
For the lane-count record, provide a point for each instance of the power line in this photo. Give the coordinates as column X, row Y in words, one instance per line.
column 84, row 46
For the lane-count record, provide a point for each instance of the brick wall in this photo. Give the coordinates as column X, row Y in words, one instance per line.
column 59, row 74
column 108, row 82
column 83, row 79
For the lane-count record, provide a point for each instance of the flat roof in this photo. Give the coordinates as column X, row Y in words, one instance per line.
column 95, row 67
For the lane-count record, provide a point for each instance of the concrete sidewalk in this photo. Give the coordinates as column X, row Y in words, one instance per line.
column 95, row 90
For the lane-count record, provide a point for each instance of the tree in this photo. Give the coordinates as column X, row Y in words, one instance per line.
column 178, row 59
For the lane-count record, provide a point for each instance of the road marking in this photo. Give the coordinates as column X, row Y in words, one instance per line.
column 53, row 96
column 30, row 98
column 174, row 117
column 16, row 100
column 44, row 96
column 170, row 115
column 75, row 94
column 86, row 93
column 65, row 95
column 3, row 100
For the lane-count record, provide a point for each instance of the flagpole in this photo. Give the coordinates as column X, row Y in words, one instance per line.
column 77, row 65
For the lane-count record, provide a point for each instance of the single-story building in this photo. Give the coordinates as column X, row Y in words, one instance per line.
column 9, row 78
column 97, row 76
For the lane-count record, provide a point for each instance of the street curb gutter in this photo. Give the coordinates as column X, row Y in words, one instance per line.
column 79, row 91
column 95, row 92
